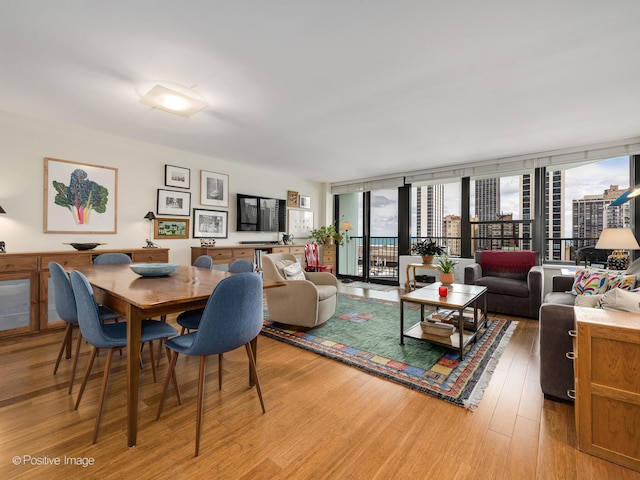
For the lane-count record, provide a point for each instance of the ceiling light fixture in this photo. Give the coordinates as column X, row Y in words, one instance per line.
column 171, row 98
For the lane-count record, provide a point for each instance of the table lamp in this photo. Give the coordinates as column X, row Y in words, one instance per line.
column 346, row 226
column 151, row 217
column 618, row 240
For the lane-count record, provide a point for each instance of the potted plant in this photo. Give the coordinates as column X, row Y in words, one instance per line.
column 326, row 235
column 446, row 267
column 426, row 248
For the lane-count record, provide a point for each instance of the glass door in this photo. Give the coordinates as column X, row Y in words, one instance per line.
column 369, row 223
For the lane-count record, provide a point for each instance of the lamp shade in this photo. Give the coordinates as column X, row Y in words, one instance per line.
column 617, row 239
column 346, row 226
column 150, row 216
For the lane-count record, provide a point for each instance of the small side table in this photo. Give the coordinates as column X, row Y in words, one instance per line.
column 414, row 266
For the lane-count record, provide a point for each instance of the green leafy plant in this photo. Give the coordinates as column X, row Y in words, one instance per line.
column 446, row 264
column 81, row 196
column 327, row 234
column 426, row 247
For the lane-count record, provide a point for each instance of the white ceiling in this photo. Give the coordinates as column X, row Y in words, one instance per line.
column 333, row 90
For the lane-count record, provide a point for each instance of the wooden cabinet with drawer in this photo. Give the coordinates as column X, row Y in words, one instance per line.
column 607, row 363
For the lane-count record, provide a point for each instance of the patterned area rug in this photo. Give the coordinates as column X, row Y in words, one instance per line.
column 371, row 286
column 365, row 333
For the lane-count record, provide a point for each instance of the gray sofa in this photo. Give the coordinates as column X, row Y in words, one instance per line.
column 513, row 291
column 556, row 320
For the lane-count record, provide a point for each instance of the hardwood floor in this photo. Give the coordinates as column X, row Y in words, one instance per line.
column 324, row 420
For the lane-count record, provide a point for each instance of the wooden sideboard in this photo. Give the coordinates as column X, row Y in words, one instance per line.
column 25, row 305
column 607, row 366
column 229, row 253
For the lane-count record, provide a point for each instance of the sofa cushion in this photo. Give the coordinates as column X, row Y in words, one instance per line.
column 293, row 272
column 591, row 301
column 506, row 263
column 618, row 299
column 620, row 280
column 505, row 286
column 589, row 282
column 560, row 298
column 326, row 291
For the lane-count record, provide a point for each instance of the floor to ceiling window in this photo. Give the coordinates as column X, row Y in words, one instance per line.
column 371, row 252
column 435, row 214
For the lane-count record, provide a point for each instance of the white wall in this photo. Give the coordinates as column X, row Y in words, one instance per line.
column 24, row 142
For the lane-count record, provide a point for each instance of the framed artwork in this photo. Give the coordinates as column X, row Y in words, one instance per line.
column 292, row 199
column 79, row 197
column 214, row 189
column 171, row 202
column 304, row 201
column 299, row 223
column 169, row 228
column 178, row 177
column 210, row 223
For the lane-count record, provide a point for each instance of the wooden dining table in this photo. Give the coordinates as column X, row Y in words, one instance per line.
column 138, row 298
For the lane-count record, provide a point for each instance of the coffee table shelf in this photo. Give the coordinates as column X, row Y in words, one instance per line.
column 459, row 298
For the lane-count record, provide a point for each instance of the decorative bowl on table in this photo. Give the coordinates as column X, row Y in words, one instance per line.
column 153, row 269
column 84, row 246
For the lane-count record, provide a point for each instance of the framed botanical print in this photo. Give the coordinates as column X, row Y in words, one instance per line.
column 169, row 228
column 178, row 177
column 79, row 197
column 171, row 202
column 210, row 223
column 292, row 199
column 214, row 189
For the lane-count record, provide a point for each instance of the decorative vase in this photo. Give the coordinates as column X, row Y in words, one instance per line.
column 427, row 259
column 446, row 278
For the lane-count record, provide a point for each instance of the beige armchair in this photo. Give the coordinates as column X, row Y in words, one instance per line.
column 304, row 303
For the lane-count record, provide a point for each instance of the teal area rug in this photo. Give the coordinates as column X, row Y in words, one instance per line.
column 370, row 286
column 365, row 333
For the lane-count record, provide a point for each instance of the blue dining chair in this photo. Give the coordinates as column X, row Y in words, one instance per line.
column 65, row 303
column 241, row 265
column 232, row 318
column 113, row 258
column 203, row 261
column 107, row 335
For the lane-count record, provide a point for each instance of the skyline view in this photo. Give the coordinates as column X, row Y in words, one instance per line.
column 588, row 179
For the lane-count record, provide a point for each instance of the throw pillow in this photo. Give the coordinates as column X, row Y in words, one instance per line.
column 618, row 299
column 621, row 280
column 591, row 301
column 589, row 282
column 294, row 272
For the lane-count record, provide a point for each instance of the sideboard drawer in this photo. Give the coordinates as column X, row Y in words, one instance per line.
column 66, row 260
column 151, row 256
column 248, row 253
column 15, row 263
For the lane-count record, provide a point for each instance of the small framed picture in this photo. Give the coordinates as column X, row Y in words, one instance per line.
column 214, row 189
column 305, row 201
column 210, row 223
column 292, row 199
column 171, row 202
column 178, row 177
column 169, row 228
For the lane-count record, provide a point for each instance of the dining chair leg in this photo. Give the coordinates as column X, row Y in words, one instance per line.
column 220, row 371
column 203, row 361
column 163, row 319
column 170, row 373
column 75, row 362
column 92, row 358
column 68, row 337
column 174, row 379
column 252, row 363
column 153, row 363
column 103, row 394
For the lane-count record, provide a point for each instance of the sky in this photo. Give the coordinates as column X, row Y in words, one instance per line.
column 590, row 179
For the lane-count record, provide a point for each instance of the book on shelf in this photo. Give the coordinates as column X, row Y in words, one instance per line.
column 451, row 316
